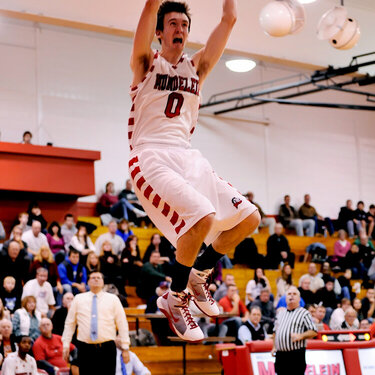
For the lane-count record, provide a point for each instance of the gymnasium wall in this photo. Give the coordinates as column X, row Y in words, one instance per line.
column 70, row 88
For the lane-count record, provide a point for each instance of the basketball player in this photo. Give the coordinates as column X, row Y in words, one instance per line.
column 176, row 186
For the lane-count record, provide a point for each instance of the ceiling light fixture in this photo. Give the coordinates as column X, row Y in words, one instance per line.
column 240, row 65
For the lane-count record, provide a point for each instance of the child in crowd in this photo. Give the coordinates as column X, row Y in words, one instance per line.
column 9, row 295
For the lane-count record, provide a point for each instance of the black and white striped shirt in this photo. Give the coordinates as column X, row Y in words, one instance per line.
column 292, row 321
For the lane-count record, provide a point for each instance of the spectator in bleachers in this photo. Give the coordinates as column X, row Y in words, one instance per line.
column 222, row 290
column 10, row 296
column 116, row 241
column 34, row 238
column 68, row 230
column 58, row 319
column 290, row 219
column 73, row 274
column 4, row 314
column 368, row 304
column 283, row 282
column 346, row 218
column 327, row 297
column 341, row 248
column 8, row 339
column 267, row 308
column 278, row 249
column 26, row 138
column 371, row 222
column 48, row 350
column 306, row 294
column 42, row 290
column 13, row 263
column 316, row 282
column 265, row 221
column 365, row 324
column 338, row 315
column 357, row 306
column 326, row 274
column 360, row 216
column 162, row 245
column 2, row 231
column 346, row 288
column 23, row 219
column 118, row 208
column 152, row 274
column 232, row 304
column 131, row 263
column 55, row 239
column 92, row 263
column 123, row 230
column 26, row 319
column 254, row 286
column 35, row 214
column 82, row 242
column 44, row 258
column 318, row 316
column 16, row 235
column 252, row 329
column 353, row 260
column 350, row 322
column 110, row 266
column 20, row 360
column 366, row 249
column 307, row 211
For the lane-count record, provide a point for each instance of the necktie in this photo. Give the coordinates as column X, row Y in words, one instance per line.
column 94, row 319
column 123, row 366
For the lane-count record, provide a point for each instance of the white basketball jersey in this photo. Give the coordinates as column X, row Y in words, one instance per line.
column 165, row 104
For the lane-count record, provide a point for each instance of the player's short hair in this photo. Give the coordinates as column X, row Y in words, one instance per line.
column 169, row 7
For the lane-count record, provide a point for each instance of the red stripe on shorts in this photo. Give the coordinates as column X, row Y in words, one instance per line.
column 174, row 218
column 130, row 134
column 131, row 121
column 148, row 191
column 135, row 172
column 140, row 182
column 156, row 200
column 166, row 209
column 132, row 161
column 132, row 109
column 180, row 227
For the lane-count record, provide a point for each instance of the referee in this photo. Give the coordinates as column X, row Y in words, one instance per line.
column 293, row 326
column 98, row 316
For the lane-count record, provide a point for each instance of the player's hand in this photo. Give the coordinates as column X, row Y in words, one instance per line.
column 169, row 279
column 296, row 337
column 66, row 354
column 284, row 254
column 236, row 298
column 126, row 356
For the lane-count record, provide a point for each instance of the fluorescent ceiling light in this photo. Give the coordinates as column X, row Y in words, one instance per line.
column 240, row 65
column 306, row 1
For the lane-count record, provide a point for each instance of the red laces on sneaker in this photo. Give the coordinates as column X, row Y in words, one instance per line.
column 184, row 306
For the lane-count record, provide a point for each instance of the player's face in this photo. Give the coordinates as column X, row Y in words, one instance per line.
column 176, row 31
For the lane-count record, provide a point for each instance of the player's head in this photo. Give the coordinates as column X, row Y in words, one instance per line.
column 173, row 21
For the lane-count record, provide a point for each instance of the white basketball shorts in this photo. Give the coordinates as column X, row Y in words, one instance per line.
column 177, row 187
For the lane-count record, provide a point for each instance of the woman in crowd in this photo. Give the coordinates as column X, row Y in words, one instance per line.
column 341, row 248
column 82, row 242
column 35, row 213
column 55, row 239
column 26, row 319
column 163, row 246
column 123, row 230
column 92, row 263
column 110, row 266
column 44, row 258
column 306, row 294
column 357, row 306
column 283, row 282
column 254, row 286
column 131, row 263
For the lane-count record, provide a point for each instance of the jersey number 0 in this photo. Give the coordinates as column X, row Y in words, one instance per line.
column 174, row 104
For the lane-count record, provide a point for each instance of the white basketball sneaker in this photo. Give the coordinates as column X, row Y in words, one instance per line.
column 198, row 287
column 175, row 306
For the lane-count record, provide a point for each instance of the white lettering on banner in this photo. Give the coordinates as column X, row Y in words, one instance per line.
column 319, row 362
column 366, row 360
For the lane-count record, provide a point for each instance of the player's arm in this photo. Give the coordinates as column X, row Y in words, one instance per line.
column 206, row 58
column 141, row 57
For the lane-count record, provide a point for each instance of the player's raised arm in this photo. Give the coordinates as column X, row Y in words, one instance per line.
column 206, row 58
column 142, row 55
